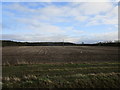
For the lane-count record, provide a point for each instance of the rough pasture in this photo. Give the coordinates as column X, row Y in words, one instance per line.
column 60, row 67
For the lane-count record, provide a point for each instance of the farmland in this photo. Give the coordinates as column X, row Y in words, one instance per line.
column 60, row 67
column 58, row 54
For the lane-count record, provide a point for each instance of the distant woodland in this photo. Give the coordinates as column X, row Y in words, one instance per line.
column 15, row 43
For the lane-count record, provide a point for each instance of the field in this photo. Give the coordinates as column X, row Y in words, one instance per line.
column 60, row 67
column 58, row 54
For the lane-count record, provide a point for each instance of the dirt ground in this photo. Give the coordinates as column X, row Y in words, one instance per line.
column 58, row 54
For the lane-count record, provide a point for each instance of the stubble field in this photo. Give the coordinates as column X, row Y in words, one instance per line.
column 60, row 67
column 58, row 54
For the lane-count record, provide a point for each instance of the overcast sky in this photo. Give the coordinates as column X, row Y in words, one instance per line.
column 76, row 22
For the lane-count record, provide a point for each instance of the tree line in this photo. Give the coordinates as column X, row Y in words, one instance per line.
column 15, row 43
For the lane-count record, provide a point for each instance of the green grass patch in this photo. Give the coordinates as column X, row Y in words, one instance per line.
column 87, row 75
